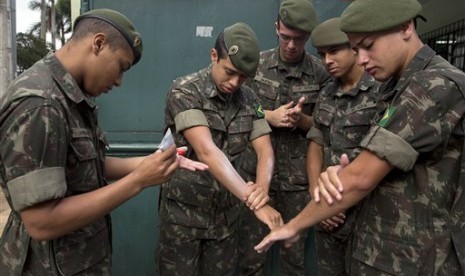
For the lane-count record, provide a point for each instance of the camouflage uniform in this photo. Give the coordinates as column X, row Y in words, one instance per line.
column 341, row 121
column 276, row 84
column 413, row 222
column 52, row 147
column 198, row 216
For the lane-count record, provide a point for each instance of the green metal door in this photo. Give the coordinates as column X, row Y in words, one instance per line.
column 177, row 37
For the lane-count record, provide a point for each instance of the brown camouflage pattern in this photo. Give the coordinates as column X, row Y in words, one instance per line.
column 343, row 118
column 197, row 214
column 276, row 84
column 413, row 223
column 46, row 121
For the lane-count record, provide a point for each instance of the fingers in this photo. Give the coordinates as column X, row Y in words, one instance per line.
column 265, row 244
column 257, row 199
column 316, row 194
column 191, row 165
column 333, row 176
column 323, row 192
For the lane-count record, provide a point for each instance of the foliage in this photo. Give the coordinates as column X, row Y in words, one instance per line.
column 30, row 49
column 62, row 18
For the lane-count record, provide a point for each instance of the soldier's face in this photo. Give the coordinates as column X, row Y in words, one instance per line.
column 381, row 54
column 291, row 43
column 225, row 75
column 339, row 60
column 106, row 69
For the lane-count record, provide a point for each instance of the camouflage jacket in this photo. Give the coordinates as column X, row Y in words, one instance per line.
column 277, row 83
column 341, row 119
column 414, row 220
column 201, row 202
column 52, row 147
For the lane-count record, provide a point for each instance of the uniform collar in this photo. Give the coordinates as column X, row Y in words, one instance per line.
column 66, row 82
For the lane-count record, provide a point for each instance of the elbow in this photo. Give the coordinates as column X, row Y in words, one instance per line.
column 37, row 234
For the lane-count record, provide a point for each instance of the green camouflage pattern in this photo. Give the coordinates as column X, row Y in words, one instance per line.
column 252, row 231
column 276, row 84
column 343, row 118
column 47, row 122
column 413, row 222
column 194, row 207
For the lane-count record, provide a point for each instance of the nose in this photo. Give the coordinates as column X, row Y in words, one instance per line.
column 328, row 59
column 362, row 58
column 235, row 81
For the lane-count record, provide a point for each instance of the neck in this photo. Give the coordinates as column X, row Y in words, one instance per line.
column 352, row 78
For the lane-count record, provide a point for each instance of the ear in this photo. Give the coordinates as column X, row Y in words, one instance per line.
column 98, row 42
column 213, row 55
column 407, row 29
column 276, row 26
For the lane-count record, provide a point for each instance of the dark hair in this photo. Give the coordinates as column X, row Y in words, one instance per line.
column 91, row 26
column 220, row 46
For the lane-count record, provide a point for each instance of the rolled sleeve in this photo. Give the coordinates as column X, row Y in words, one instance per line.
column 391, row 147
column 190, row 118
column 37, row 186
column 315, row 135
column 260, row 128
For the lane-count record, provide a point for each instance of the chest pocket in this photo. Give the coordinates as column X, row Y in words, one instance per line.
column 267, row 90
column 324, row 115
column 357, row 123
column 309, row 92
column 82, row 175
column 239, row 131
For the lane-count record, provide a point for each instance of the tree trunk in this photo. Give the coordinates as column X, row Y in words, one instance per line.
column 43, row 20
column 53, row 24
column 6, row 76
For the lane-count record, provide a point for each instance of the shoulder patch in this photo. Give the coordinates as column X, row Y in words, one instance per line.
column 387, row 116
column 259, row 110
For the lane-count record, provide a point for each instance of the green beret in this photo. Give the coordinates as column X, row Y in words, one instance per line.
column 122, row 24
column 328, row 34
column 366, row 16
column 298, row 14
column 242, row 46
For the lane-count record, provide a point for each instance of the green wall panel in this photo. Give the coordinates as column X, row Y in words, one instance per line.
column 176, row 42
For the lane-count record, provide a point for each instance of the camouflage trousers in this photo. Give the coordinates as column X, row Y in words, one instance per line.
column 197, row 257
column 252, row 231
column 333, row 248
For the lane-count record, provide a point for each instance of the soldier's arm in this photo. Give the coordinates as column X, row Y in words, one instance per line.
column 359, row 178
column 199, row 137
column 54, row 218
column 116, row 168
column 265, row 162
column 314, row 165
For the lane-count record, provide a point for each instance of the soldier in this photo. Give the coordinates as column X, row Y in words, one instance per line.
column 287, row 82
column 343, row 114
column 53, row 168
column 216, row 116
column 413, row 162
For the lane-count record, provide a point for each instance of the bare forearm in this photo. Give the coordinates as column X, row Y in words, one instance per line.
column 116, row 168
column 54, row 219
column 223, row 171
column 314, row 164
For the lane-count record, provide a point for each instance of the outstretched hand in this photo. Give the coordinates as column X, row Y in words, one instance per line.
column 188, row 164
column 284, row 232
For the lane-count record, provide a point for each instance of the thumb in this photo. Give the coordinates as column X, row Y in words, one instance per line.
column 344, row 160
column 300, row 103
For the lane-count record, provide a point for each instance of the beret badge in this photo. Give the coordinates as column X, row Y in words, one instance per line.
column 233, row 50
